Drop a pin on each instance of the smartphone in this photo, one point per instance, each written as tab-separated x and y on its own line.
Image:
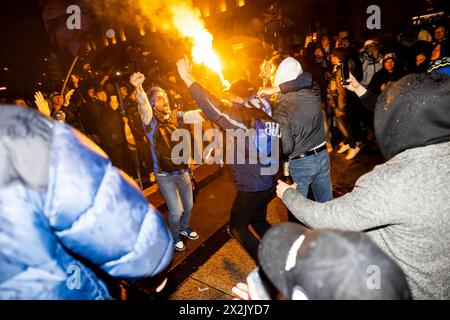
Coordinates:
345	72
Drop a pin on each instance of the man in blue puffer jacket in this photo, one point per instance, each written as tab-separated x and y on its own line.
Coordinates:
60	199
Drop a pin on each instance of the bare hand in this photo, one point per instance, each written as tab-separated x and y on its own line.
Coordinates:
264	91
75	80
246	291
105	78
137	79
241	290
184	70
68	96
355	86
42	104
282	187
308	40
114	104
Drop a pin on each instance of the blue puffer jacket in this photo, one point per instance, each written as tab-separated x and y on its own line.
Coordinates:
60	198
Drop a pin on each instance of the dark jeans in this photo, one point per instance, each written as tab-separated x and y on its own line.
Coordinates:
314	171
250	208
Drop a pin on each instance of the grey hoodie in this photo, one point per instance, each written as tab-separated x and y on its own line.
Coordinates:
403	204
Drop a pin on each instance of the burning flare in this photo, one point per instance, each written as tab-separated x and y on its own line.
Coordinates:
188	22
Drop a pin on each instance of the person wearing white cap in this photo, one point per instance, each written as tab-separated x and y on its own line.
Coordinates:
301	121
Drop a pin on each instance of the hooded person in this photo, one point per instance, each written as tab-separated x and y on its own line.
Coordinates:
402	204
327	264
67	213
301	120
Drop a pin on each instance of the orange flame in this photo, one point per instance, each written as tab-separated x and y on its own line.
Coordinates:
188	22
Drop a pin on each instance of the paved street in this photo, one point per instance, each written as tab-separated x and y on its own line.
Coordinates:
212	265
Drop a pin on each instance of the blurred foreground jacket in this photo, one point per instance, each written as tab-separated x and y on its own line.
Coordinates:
60	198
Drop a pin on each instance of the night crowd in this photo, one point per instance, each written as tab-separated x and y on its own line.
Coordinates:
332	95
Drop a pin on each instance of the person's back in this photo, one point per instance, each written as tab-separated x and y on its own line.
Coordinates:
61	199
301	112
418	234
404	203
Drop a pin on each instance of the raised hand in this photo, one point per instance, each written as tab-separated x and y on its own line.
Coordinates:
75	80
355	86
67	97
137	79
42	104
184	70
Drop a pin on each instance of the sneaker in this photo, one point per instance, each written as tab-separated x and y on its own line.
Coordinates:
352	153
188	233
343	148
179	246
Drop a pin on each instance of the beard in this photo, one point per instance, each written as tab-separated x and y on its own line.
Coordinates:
164	110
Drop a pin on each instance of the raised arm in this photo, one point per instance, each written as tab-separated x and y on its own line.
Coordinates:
301	82
214	109
368	206
368	98
144	107
42	104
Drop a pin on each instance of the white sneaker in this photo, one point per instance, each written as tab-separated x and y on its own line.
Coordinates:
189	234
179	246
343	148
352	153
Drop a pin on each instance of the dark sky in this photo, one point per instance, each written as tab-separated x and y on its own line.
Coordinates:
24	44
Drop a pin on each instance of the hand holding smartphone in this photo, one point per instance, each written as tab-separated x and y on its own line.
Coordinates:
345	73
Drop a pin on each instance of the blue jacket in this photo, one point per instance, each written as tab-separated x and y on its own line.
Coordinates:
60	198
249	177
